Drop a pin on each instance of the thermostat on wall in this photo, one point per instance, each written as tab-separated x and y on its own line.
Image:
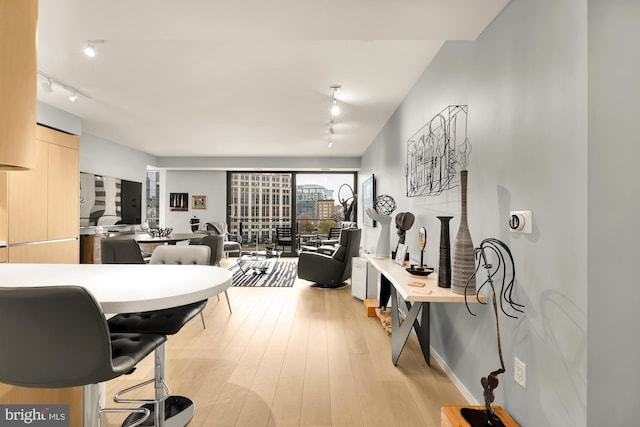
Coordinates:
521	222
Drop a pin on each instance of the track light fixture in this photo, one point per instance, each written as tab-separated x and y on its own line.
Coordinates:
335	110
90	50
47	86
49	83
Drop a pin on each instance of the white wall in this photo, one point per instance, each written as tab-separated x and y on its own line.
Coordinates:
197	183
525	82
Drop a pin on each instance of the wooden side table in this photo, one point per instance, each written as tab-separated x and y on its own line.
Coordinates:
450	416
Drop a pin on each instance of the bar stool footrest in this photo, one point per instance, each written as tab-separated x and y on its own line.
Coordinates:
178	411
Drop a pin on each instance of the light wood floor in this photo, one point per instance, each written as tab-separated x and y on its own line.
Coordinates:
297	357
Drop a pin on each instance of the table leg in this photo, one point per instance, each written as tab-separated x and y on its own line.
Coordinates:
385	291
400	333
423	332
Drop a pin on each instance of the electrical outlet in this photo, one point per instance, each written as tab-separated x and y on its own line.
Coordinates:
520	372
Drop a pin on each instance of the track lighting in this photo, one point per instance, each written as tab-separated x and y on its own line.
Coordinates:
49	84
335	110
90	50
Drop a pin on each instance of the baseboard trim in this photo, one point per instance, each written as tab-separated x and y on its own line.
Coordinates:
454	379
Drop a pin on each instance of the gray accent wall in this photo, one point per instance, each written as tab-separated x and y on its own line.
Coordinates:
613	395
525	82
57	119
103	157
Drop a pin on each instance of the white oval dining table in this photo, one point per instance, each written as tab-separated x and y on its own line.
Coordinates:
123	288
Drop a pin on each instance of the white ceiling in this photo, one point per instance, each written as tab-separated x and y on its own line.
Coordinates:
244	77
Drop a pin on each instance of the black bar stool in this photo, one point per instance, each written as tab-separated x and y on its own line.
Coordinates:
57	337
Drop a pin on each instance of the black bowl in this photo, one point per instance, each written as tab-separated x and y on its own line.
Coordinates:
417	271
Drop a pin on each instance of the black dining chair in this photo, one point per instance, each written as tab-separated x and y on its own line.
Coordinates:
284	237
57	337
120	251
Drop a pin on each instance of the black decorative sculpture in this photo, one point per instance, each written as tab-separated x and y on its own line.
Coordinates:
348	203
505	268
404	222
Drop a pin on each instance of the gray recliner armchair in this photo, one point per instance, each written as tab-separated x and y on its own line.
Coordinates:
330	271
232	242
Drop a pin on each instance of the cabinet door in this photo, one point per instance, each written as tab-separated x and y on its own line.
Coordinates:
66	252
18	82
4	224
63	208
28	200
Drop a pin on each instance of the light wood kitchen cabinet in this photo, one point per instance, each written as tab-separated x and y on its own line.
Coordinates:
51	252
28	200
63	177
3	217
44	204
18	83
18	21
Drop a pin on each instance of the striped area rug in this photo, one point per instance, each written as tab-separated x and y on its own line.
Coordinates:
283	275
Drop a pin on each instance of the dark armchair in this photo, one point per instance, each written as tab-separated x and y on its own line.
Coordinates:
330	271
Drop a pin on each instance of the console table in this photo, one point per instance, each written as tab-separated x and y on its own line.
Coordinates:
418	301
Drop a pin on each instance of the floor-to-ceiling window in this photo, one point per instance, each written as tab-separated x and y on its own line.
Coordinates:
152	216
324	200
259	202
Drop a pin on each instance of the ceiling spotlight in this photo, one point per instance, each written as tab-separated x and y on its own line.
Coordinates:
335	109
47	86
90	50
73	97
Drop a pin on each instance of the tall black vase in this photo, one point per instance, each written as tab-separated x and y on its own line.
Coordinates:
444	269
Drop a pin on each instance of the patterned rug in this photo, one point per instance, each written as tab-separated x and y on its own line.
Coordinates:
283	275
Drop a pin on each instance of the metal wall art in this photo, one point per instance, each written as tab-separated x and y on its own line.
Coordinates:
502	271
436	153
